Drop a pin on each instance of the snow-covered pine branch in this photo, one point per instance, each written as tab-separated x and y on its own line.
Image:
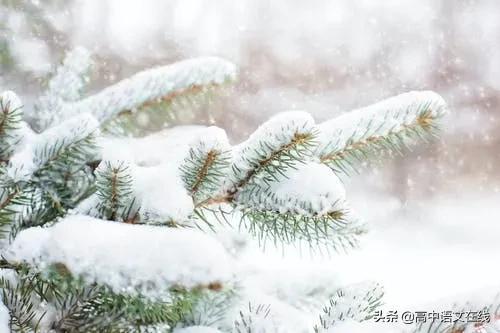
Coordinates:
357	302
65	86
282	193
206	165
68	143
308	203
143	100
277	145
253	319
11	115
389	125
137	103
45	176
23	312
481	313
114	190
127	258
63	197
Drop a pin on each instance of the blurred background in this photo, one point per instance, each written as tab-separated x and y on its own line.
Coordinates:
435	212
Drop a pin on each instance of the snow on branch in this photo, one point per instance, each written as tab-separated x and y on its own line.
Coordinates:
127	258
161	194
66	143
154	86
388	125
72	75
138	195
337	230
197	329
11	115
356	302
13	202
17	296
308	204
206	165
282	193
254	319
45	176
277	145
309	189
481	311
65	86
114	190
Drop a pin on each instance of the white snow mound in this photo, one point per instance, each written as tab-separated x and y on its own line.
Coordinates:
125	257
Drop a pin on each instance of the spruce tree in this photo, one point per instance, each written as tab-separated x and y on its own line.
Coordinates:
108	227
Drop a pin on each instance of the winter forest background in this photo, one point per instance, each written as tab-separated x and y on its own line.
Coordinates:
434	214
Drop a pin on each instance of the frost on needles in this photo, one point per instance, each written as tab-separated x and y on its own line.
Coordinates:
108	233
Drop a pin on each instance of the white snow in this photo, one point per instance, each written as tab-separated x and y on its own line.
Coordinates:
197	329
69	79
353	301
66	85
169	145
274	133
88	206
4	318
310	189
161	192
210	138
351	326
154	166
38	152
153	84
10	99
10	137
125	257
379	119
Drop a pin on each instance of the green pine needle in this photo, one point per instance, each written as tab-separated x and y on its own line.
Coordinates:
347	158
114	189
202	172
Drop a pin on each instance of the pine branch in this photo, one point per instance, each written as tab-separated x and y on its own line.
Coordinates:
268	168
98	309
253	319
11	115
15	201
66	85
357	302
18	298
114	190
205	167
279	144
87	308
210	308
151	90
264	163
65	177
5	264
37	182
482	318
331	231
179	107
70	144
388	126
